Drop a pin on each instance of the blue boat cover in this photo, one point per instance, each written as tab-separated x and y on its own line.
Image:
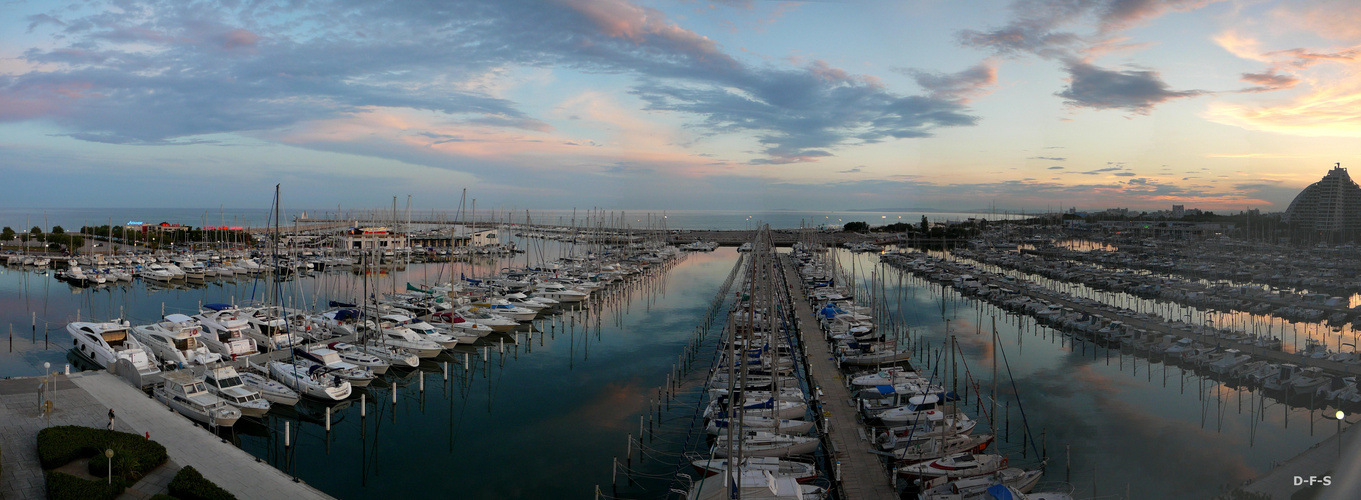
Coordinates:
340	304
885	389
217	306
346	314
1000	492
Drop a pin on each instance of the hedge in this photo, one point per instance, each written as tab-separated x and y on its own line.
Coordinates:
189	484
62	486
134	455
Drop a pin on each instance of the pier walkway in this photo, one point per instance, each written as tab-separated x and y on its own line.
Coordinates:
85	398
188	444
862	474
1322	459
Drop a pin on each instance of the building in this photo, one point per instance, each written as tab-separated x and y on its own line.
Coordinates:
1331	205
1178	211
369	238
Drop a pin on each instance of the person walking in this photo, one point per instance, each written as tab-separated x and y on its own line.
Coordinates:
110	418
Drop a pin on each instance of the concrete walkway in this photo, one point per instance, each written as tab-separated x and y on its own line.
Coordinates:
1322	459
863	475
20	421
188	444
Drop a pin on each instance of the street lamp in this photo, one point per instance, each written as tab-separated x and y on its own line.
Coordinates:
108	453
1340	417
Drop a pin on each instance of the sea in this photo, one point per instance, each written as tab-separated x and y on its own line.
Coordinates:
71	218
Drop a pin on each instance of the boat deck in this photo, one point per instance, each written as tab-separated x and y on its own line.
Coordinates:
862	474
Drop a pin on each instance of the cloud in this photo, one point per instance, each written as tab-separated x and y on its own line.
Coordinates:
1050	158
1055	167
169	70
1268	81
37	20
1136	91
1125	174
1138	181
964	85
855	170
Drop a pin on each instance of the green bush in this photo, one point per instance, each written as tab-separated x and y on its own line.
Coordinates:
188	484
134	455
62	486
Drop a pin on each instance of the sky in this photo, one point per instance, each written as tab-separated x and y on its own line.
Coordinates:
677	104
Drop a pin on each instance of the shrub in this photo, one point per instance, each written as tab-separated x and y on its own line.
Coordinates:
134	455
188	484
62	486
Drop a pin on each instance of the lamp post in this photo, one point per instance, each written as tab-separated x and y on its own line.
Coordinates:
108	453
1340	417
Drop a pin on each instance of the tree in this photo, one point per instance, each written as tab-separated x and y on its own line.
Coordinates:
7	234
856	227
926	226
58	230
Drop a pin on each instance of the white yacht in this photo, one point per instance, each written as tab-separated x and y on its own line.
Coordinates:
393	356
352	354
559	292
482	316
339	322
315	381
225	330
155	272
225	383
423	329
176	341
271	390
395	335
106	343
358	376
188	396
269	328
503	307
461	326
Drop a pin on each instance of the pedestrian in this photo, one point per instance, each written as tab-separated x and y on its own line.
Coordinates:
110	418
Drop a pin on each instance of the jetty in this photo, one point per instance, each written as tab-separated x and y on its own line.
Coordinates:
858	474
85	399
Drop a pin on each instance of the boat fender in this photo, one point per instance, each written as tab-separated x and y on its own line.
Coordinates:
1004	463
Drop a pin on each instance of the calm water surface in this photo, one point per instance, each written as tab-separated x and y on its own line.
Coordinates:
545	420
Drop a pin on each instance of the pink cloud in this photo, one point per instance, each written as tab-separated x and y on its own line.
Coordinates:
239	38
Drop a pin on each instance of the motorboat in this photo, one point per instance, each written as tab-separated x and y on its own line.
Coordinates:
917	407
392	355
224	329
188	395
352	354
269	328
423	329
460	325
1231	359
394	335
503	307
106	343
340	322
270	389
357	376
482	316
559	292
176	341
311	380
225	383
155	272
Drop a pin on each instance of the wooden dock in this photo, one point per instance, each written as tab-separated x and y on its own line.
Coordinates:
858	474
